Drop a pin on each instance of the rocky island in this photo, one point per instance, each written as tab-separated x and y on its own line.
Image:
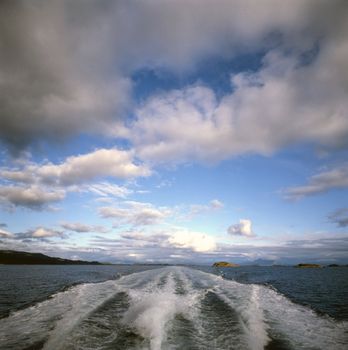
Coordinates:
308	265
224	264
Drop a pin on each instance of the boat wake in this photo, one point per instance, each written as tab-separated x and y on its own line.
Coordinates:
170	308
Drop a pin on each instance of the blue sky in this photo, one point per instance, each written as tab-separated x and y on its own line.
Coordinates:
178	131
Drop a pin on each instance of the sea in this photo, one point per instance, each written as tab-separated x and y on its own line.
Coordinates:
91	307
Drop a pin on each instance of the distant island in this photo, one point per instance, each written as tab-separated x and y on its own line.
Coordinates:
13	257
224	264
308	265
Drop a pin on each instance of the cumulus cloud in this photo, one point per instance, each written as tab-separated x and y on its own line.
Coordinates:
284	103
174	237
243	228
136	213
197	241
319	183
339	217
32	197
87	167
82	168
83	228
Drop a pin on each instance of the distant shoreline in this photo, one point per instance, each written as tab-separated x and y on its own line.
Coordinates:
12	257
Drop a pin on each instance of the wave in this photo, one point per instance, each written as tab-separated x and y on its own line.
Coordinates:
170	308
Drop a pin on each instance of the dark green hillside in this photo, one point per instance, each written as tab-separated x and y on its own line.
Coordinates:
18	258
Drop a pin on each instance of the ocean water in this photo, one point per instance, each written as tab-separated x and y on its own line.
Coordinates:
143	307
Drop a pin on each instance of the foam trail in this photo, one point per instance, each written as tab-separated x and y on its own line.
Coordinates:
85	302
246	301
265	313
242	299
301	326
92	296
151	311
37	323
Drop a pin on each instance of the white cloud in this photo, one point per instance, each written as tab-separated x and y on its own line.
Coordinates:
284	103
320	183
80	227
44	233
43	184
82	168
173	237
32	197
197	241
243	228
87	167
136	213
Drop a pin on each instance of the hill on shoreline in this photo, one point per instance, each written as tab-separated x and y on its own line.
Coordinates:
13	257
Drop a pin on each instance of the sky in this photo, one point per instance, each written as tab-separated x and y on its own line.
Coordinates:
175	131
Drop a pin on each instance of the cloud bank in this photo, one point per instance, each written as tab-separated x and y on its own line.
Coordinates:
67	70
35	186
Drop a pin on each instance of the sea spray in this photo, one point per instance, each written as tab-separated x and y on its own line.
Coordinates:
150	312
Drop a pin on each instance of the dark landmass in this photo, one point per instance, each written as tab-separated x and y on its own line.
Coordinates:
308	265
24	258
224	264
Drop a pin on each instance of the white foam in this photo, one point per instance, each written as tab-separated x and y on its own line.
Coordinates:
244	299
55	317
301	326
151	311
264	312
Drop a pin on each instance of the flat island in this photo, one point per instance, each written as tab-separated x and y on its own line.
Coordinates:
308	265
224	264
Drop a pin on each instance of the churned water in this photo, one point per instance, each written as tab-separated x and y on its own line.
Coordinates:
135	307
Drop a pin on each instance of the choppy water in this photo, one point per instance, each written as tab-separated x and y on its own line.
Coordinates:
170	308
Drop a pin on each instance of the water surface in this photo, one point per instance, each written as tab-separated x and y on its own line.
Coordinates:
163	308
